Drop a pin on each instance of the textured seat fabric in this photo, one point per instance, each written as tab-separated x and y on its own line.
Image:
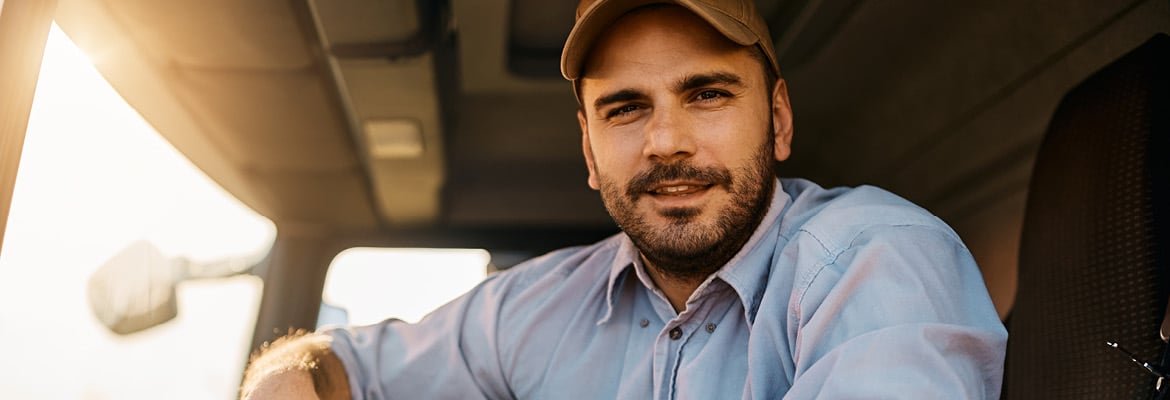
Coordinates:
1094	252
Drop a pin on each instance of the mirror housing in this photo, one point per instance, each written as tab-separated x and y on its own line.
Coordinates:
135	289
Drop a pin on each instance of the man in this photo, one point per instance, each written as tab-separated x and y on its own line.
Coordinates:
726	283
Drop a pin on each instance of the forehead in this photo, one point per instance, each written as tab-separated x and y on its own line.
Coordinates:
660	42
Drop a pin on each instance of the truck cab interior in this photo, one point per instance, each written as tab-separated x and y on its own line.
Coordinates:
447	124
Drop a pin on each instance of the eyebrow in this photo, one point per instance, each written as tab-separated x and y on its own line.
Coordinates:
714	78
618	97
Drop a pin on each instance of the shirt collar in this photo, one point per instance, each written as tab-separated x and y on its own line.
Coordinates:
747	272
623	261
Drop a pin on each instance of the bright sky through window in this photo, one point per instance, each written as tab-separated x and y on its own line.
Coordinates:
93	178
373	284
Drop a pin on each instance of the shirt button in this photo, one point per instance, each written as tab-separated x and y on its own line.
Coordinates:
710	328
644	323
675	333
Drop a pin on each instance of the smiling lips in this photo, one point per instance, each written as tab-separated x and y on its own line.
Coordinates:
678	188
678	184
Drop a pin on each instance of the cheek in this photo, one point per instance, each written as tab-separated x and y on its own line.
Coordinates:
610	167
615	153
733	141
721	133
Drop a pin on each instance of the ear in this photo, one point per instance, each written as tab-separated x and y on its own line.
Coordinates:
781	121
588	150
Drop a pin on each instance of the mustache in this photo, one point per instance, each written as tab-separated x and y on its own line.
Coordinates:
658	173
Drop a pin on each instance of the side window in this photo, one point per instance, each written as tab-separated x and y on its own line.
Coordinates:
95	178
367	285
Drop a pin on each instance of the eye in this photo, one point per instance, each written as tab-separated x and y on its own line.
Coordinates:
710	95
623	110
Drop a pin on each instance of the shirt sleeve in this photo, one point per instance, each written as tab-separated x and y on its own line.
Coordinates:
450	354
901	313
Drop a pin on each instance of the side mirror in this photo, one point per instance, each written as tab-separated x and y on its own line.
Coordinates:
135	289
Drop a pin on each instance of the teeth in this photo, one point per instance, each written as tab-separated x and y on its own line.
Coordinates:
675	189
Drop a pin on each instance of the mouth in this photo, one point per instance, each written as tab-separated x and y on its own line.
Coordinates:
675	199
678	189
678	185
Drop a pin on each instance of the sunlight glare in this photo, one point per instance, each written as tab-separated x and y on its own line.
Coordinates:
93	178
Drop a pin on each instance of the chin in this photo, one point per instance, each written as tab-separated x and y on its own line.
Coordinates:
680	215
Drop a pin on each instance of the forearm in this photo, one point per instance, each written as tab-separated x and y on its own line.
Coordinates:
298	366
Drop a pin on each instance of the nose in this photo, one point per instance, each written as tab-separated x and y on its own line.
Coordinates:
669	137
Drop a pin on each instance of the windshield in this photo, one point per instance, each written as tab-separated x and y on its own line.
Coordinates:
94	178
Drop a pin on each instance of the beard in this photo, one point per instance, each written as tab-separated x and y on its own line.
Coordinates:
685	247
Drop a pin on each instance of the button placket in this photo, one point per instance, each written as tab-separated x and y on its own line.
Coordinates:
681	332
679	338
667	356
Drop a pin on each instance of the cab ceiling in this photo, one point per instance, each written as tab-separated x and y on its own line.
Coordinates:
337	115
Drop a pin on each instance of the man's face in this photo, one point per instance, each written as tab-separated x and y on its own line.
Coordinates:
679	133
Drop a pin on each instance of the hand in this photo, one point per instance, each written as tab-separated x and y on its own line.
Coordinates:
297	366
290	384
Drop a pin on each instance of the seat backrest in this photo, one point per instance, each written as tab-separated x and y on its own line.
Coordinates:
1094	251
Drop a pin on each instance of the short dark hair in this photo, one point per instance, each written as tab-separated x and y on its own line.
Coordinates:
770	76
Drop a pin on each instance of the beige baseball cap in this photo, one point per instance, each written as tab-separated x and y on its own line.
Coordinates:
738	20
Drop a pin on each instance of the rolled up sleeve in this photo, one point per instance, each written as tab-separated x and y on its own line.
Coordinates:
450	354
901	312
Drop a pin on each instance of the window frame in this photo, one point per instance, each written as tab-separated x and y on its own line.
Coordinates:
24	30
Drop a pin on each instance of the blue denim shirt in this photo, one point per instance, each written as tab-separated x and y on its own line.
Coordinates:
839	293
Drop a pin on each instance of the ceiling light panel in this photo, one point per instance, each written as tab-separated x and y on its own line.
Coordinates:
394	138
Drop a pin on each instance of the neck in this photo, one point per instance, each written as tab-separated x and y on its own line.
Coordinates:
678	289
